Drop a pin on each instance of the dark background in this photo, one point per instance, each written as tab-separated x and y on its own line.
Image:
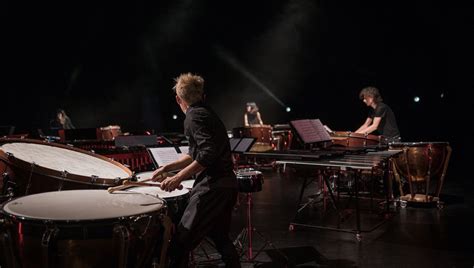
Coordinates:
114	64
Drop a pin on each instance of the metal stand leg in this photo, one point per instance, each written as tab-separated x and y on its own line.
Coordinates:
244	239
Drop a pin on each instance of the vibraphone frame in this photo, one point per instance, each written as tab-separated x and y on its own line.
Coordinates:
354	164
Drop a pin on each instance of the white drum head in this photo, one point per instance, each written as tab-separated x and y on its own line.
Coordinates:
61	159
144	175
248	173
76	205
158	192
188	184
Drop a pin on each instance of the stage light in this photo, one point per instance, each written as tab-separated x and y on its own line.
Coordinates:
416	99
442	95
288	109
175	117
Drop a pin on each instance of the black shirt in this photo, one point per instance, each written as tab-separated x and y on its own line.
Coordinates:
209	146
252	119
388	124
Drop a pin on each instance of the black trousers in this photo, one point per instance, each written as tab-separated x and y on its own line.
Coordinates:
208	213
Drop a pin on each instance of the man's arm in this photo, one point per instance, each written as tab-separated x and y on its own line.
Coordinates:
364	126
372	127
181	163
171	183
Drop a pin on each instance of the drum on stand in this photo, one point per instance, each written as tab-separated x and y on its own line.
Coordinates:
109	133
421	164
262	133
282	139
86	228
249	180
32	166
176	201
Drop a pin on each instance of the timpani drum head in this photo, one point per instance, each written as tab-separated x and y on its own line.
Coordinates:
158	192
80	205
36	166
187	184
62	159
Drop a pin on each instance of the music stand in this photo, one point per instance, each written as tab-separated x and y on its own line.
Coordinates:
241	145
310	131
163	155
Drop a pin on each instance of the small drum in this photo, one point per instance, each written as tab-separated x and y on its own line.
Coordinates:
282	139
109	133
83	228
33	166
249	180
419	164
351	139
263	135
176	201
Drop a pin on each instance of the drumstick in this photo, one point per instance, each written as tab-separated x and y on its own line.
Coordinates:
123	186
126	184
143	183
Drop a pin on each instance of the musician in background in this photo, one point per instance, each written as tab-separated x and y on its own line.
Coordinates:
209	162
381	118
252	115
62	121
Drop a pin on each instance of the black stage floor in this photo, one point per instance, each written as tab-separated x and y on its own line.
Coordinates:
411	236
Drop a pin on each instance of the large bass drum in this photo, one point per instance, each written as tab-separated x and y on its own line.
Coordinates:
262	133
33	166
83	228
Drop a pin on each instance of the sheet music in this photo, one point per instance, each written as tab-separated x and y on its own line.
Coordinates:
311	130
328	129
164	155
184	150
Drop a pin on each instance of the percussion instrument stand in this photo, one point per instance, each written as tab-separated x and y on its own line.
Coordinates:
245	237
194	262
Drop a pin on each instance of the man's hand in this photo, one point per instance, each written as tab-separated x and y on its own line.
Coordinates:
159	174
171	183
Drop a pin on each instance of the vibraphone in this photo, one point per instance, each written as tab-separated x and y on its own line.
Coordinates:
335	163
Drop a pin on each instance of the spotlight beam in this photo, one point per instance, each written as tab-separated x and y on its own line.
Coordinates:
224	55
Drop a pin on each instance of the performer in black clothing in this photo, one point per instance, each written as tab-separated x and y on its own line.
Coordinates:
381	118
209	162
252	115
62	121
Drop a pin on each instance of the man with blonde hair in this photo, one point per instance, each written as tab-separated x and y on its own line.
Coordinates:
209	162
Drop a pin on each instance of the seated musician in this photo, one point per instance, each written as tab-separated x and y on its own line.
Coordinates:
381	118
252	115
209	162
